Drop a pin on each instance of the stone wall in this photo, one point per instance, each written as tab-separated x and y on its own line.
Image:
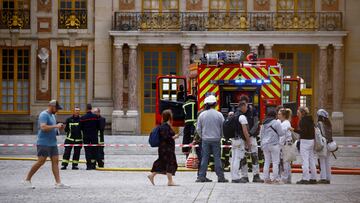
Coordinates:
352	71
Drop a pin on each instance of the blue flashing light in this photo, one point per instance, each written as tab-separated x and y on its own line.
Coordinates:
237	81
253	81
259	81
242	81
267	81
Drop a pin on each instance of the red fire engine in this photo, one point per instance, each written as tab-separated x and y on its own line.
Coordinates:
260	79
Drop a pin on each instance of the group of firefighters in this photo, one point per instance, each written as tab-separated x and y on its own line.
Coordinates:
252	155
86	129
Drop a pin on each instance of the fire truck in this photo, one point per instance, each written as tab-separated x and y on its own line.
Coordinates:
227	76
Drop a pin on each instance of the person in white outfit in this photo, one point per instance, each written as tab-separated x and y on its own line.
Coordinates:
326	130
270	133
284	116
239	145
306	131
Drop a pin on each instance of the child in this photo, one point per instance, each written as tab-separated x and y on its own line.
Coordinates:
285	116
270	134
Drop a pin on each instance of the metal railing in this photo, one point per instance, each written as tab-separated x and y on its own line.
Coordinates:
237	21
15	19
72	19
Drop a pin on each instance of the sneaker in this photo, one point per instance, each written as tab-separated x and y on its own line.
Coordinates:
277	182
28	184
63	168
235	181
223	180
268	181
257	179
286	181
75	168
313	181
61	186
323	181
303	182
244	180
203	180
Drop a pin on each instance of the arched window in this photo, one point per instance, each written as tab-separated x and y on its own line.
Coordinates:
227	5
160	5
295	5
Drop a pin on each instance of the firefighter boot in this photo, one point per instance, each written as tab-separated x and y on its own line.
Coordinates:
63	168
257	179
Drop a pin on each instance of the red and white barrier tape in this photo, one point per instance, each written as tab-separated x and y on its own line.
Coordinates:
132	145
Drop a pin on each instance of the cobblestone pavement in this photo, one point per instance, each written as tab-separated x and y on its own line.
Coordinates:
101	186
98	186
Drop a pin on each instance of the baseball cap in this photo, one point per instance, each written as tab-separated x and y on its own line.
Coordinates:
56	104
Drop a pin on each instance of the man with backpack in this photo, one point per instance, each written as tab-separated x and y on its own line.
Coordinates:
209	127
235	128
253	126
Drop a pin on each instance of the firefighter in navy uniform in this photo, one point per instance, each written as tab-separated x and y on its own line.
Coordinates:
90	126
73	136
190	110
100	151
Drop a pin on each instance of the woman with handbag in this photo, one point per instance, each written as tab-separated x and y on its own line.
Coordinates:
166	164
284	116
326	131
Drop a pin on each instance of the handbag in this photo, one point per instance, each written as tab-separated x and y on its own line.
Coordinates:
289	152
192	161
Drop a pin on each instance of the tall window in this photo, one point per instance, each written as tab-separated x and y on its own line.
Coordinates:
72	88
15	4
72	14
160	5
296	5
73	4
14	68
227	5
299	64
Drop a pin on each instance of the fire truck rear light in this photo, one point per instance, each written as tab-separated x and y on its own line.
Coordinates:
267	81
259	81
253	81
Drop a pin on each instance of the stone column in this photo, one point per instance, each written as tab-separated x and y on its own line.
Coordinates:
323	75
133	80
268	50
118	89
254	48
118	78
338	90
131	120
185	58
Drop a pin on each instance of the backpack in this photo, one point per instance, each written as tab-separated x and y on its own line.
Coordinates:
319	141
231	126
154	138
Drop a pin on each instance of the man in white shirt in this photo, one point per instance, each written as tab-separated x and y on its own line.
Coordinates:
239	145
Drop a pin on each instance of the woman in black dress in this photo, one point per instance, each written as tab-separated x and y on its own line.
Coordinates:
166	163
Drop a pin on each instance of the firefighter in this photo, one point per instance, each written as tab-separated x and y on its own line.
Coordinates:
73	136
252	153
100	150
190	110
225	154
90	126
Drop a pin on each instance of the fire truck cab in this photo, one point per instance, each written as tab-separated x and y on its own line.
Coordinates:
260	79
